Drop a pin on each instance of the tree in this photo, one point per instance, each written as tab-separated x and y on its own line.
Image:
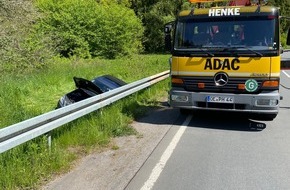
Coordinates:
154	14
284	11
284	6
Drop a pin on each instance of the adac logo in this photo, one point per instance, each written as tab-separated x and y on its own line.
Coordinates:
218	64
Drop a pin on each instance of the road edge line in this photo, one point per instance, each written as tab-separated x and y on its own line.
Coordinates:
165	156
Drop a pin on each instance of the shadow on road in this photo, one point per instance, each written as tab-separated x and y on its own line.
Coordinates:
225	121
164	115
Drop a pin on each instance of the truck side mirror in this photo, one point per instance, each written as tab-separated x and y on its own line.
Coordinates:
288	37
168	45
167	28
285	57
167	31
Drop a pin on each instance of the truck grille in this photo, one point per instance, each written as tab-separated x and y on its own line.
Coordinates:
191	84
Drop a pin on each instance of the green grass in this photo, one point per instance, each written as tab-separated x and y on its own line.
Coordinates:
30	94
35	93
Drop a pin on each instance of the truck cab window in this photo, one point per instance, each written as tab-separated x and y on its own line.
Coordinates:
257	34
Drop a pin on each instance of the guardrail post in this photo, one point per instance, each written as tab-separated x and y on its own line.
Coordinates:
49	141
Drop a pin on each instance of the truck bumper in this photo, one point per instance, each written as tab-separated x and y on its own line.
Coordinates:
263	103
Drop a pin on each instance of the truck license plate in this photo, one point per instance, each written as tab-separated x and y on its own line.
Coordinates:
220	99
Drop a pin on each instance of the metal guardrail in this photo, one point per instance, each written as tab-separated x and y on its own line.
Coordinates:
24	131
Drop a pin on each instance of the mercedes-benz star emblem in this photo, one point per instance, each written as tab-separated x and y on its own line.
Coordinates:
221	79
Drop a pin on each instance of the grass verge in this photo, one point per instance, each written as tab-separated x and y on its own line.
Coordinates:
27	95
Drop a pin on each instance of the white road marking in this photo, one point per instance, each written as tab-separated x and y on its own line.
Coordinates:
286	74
165	156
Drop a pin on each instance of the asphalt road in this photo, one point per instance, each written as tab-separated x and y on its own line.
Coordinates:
222	151
286	55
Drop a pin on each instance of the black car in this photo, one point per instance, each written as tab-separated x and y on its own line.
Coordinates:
86	89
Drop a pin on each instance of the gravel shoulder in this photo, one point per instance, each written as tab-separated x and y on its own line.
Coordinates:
113	169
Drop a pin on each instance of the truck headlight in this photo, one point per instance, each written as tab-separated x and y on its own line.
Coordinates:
267	102
179	98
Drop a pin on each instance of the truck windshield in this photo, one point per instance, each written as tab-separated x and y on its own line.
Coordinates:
251	34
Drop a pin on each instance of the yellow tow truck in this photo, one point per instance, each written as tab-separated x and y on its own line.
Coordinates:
226	58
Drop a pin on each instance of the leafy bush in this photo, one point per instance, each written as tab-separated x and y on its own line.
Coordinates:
89	29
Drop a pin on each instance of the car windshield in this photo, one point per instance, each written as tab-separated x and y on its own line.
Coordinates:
240	34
